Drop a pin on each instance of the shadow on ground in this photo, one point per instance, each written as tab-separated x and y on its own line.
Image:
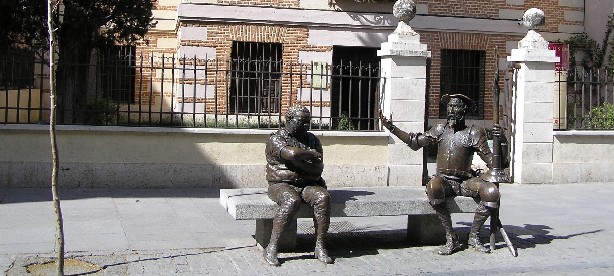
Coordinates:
529	235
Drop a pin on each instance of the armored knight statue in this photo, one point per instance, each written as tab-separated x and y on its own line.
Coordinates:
294	172
457	142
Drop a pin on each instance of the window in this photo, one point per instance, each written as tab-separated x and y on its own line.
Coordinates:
255	77
117	72
463	72
16	68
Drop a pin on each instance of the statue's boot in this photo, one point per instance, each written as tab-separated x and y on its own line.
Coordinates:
270	255
321	221
321	254
452	245
481	214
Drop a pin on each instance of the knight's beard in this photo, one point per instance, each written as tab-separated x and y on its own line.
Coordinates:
455	120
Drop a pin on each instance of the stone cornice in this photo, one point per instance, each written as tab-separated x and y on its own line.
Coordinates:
339	19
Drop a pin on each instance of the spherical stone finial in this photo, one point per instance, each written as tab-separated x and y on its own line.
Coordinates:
404	10
533	19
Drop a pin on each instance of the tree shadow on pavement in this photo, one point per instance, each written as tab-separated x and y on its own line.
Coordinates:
104	268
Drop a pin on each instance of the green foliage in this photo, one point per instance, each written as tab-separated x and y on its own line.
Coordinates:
24	22
345	123
602	117
85	22
594	53
589	47
83	26
101	111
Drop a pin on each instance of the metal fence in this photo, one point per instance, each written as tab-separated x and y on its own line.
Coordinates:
584	99
159	90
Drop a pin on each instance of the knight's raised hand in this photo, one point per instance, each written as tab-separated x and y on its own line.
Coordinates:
387	123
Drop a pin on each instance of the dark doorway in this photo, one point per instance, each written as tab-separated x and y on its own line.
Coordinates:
355	82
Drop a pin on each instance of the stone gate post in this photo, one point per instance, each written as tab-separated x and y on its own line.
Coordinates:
404	71
532	139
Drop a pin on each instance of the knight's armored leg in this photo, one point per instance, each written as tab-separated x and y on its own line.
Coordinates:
481	214
319	198
289	202
452	245
435	190
489	195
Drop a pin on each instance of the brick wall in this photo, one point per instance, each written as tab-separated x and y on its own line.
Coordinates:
555	14
495	9
437	41
221	36
268	3
156	44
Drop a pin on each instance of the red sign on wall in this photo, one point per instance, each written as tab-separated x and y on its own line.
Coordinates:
561	51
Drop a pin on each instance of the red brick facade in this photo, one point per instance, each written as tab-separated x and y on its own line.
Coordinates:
221	36
490	9
437	41
266	3
295	38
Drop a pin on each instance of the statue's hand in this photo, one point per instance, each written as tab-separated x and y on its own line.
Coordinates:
387	123
499	132
311	156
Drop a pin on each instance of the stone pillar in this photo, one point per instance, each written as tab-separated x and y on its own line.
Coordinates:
533	136
404	70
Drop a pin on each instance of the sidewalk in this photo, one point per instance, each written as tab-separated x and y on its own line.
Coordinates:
559	230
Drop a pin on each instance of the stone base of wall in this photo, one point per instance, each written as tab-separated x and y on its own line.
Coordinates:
583	156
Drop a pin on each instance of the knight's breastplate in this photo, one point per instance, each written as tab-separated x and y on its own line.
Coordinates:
455	153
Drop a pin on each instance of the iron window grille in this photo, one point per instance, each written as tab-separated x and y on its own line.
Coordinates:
463	72
117	73
16	68
256	69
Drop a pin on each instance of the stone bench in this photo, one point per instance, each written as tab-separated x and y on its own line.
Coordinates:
423	226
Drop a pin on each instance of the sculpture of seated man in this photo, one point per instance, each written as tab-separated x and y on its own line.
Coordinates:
294	168
457	142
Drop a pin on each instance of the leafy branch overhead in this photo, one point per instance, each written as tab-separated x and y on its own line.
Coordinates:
93	23
81	27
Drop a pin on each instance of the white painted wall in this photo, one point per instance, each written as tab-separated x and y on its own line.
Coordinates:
596	16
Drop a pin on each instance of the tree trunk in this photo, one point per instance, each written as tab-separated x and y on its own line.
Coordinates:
54	147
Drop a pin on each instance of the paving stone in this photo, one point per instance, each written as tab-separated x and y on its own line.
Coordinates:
558	230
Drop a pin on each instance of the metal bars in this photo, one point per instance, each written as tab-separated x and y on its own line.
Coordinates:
463	72
589	99
170	91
